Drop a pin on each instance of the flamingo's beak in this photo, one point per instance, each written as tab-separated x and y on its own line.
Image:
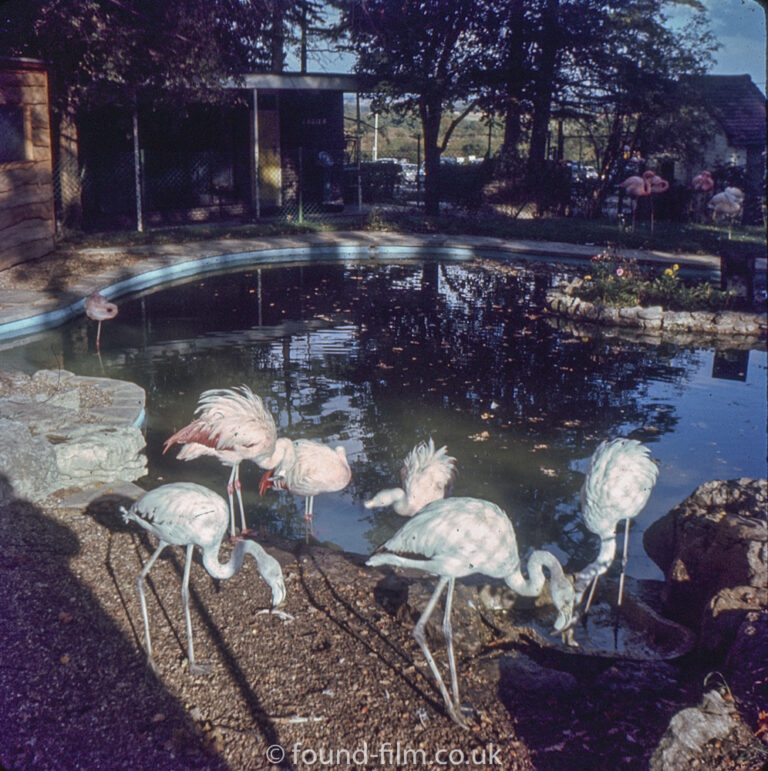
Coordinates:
265	483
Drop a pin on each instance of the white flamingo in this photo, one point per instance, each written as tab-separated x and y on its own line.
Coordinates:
98	308
188	514
233	425
728	204
306	468
456	537
619	480
426	476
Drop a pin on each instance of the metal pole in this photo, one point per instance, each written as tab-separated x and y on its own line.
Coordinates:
301	185
359	156
375	137
137	170
255	176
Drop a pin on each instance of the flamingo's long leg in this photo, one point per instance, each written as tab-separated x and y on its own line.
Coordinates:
98	337
238	490
624	560
144	614
194	668
448	634
418	633
230	495
591	595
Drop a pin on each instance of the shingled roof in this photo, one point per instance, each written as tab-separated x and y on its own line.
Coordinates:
739	106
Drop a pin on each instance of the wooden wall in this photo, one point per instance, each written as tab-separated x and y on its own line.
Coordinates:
27	220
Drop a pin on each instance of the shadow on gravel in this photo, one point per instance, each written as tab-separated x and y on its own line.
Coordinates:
74	692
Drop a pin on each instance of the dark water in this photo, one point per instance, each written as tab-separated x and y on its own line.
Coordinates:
379	357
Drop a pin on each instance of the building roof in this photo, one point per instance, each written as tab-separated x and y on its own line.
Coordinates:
739	106
293	81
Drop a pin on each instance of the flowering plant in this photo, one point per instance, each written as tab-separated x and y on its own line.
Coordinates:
618	281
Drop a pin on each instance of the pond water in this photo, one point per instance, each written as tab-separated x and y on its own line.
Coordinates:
377	357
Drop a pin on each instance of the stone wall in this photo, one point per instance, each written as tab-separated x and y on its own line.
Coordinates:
27	222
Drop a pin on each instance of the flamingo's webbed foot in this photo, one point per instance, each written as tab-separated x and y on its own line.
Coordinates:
276	612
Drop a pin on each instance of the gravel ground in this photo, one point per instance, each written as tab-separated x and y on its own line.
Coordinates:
344	681
344	676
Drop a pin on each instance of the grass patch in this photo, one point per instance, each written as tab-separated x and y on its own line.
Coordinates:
673	238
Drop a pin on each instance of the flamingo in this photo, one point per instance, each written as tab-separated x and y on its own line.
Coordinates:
457	537
233	425
98	308
307	468
619	480
188	514
426	475
728	202
644	186
703	183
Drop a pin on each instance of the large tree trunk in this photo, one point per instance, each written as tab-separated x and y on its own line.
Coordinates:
431	113
515	81
543	86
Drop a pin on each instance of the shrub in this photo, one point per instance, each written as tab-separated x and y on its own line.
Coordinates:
621	282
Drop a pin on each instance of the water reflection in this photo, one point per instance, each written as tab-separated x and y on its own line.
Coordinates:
378	357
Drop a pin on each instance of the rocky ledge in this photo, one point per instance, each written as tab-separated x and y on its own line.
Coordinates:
59	430
562	301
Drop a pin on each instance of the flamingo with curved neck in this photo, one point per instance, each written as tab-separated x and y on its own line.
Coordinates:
188	514
457	537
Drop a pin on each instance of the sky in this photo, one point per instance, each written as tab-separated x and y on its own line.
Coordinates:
739	25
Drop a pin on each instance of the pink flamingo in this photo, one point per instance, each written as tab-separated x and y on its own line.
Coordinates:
703	183
306	468
233	425
727	203
640	187
426	474
98	308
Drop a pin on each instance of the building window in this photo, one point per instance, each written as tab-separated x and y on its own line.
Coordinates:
13	146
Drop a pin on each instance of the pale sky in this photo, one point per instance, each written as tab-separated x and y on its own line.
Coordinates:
739	25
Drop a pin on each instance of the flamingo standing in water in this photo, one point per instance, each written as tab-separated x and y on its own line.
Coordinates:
457	537
188	514
233	425
426	476
619	480
98	308
306	468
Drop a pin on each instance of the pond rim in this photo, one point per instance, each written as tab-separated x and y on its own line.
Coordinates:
172	267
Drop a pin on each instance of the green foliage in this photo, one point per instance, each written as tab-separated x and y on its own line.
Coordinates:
619	282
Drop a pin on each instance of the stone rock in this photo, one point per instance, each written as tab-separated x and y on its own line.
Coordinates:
725	614
67	431
690	729
746	666
88	455
716	538
652	313
27	462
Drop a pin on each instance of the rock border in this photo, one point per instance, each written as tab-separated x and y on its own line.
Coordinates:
561	301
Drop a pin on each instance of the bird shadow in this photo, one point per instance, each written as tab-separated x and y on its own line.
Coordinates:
106	511
73	690
391	656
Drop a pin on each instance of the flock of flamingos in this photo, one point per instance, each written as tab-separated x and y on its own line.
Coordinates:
449	537
727	203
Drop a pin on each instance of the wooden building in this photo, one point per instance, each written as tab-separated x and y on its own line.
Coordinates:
27	220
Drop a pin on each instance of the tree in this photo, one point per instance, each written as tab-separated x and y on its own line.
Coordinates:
103	51
419	56
634	89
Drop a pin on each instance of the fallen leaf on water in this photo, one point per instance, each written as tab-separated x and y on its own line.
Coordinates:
65	618
64	659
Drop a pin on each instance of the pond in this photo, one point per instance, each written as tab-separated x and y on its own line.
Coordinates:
378	356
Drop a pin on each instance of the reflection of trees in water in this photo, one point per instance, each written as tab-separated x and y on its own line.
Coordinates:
392	354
